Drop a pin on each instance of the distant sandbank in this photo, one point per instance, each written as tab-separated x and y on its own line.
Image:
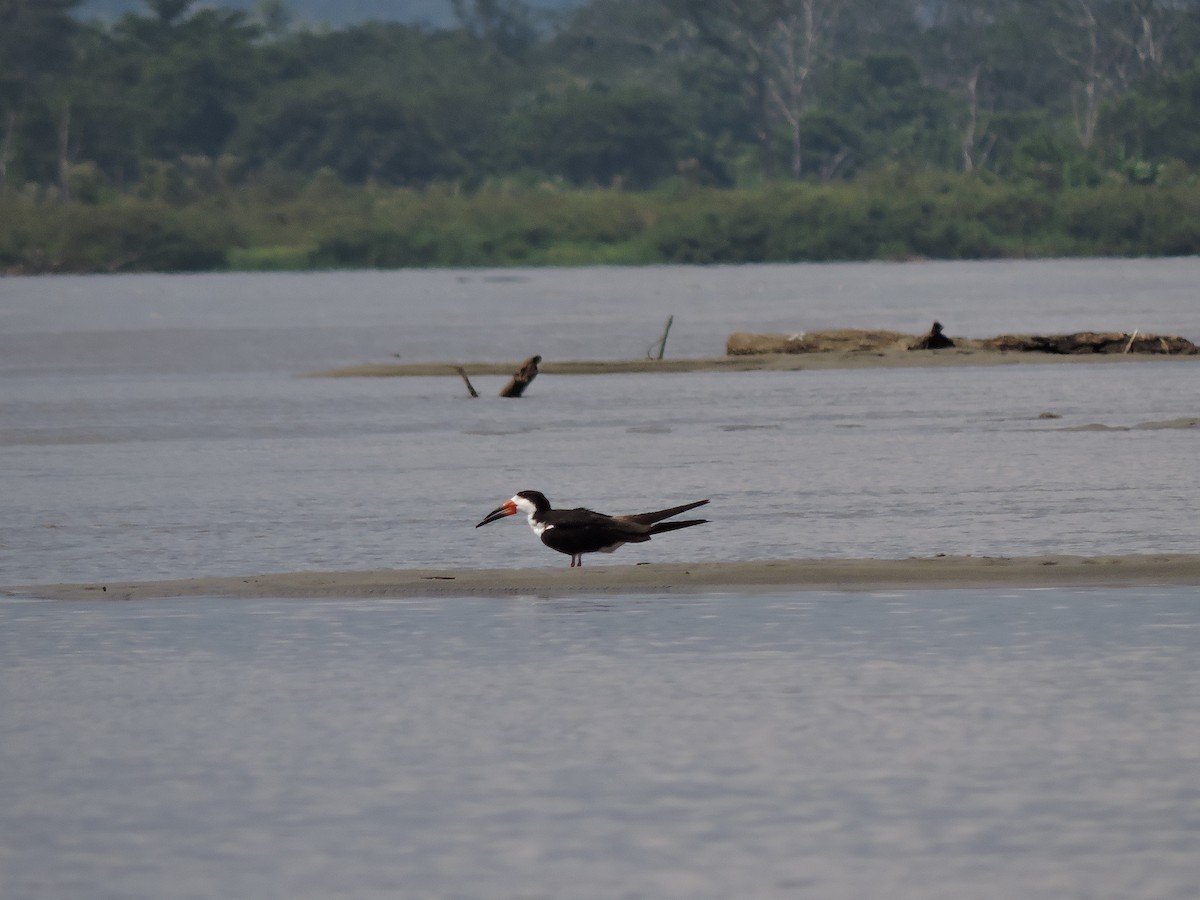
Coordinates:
935	572
765	362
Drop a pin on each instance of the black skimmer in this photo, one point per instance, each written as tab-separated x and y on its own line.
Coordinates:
579	531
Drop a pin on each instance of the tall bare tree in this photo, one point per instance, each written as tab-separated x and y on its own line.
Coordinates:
35	45
778	44
790	53
1107	46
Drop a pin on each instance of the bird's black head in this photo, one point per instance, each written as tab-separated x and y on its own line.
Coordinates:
537	498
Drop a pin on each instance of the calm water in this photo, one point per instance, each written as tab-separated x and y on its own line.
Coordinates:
948	744
982	744
156	426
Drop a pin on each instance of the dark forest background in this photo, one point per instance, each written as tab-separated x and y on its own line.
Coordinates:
318	13
190	135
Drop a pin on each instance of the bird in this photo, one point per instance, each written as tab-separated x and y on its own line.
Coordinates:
579	531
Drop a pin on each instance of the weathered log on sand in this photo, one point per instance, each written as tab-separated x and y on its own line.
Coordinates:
1092	342
521	378
742	343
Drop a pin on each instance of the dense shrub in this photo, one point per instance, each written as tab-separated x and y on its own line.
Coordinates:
891	215
128	236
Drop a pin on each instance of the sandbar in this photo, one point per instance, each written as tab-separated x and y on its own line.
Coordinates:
792	575
762	362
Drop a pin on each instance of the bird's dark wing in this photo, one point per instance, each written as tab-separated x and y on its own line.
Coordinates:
585	531
650	518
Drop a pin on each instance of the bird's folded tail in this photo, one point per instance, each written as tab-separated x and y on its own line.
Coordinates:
660	527
651	517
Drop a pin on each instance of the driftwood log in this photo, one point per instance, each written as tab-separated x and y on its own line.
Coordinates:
521	378
741	343
1092	342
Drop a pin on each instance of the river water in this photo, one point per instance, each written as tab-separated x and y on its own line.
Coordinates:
910	744
156	426
926	745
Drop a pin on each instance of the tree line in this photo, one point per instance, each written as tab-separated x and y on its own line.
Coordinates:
184	103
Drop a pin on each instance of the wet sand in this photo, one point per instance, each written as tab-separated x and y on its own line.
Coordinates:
683	578
763	362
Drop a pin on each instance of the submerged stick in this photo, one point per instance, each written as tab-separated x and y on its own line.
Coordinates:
463	372
662	342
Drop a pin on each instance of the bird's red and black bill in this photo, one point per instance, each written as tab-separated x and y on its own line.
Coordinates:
508	508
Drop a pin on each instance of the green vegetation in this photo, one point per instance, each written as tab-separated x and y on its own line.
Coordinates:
631	131
883	216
